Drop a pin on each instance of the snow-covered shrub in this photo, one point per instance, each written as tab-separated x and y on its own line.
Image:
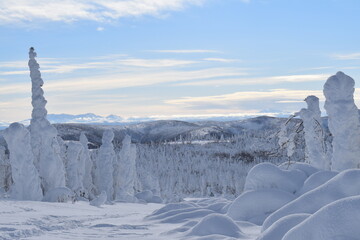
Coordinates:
344	123
148	197
61	194
45	146
26	180
5	170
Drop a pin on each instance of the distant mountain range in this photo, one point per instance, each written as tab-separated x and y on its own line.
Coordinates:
90	118
170	130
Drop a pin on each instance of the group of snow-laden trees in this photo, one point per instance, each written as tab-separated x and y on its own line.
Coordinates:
41	166
343	123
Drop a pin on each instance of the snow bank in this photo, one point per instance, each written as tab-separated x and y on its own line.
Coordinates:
216	224
344	123
26	180
266	176
338	220
171	207
341	186
282	226
255	206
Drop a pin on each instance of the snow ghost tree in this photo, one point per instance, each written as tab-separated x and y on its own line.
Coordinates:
125	171
5	170
344	121
105	160
74	167
43	135
314	137
26	181
85	157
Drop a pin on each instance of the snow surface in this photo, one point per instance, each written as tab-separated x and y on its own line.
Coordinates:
58	221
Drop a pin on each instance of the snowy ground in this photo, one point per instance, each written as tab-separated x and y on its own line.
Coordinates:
50	221
42	220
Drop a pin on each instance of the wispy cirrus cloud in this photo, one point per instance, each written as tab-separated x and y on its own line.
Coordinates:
226	99
185	51
349	56
124	79
222	60
288	100
20	11
106	62
258	80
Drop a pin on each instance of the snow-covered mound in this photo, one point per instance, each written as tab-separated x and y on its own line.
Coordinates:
216	224
282	226
255	206
316	180
266	175
337	220
340	186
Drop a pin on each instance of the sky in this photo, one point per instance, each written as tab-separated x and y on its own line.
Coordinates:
171	58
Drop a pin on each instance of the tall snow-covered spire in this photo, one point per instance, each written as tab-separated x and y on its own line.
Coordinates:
344	121
43	135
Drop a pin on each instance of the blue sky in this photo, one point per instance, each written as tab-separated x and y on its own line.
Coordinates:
171	58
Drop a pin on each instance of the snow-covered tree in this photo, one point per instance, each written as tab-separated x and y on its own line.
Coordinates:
314	135
344	121
43	135
105	160
26	180
85	157
125	171
5	170
75	167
